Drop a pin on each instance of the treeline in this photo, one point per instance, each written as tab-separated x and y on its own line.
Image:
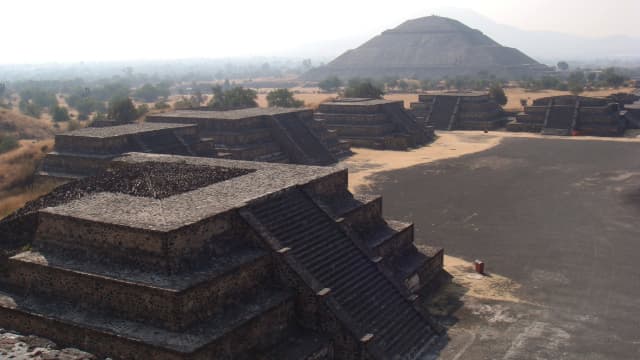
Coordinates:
579	80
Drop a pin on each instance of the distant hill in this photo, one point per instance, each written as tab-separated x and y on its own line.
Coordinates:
549	46
432	47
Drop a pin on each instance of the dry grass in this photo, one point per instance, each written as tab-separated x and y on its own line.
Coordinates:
24	127
17	169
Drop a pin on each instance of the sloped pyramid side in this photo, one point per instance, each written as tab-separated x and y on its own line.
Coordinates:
429	47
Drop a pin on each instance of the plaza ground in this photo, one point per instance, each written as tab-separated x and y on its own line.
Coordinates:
554	219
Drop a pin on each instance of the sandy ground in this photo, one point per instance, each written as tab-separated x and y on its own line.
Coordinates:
367	162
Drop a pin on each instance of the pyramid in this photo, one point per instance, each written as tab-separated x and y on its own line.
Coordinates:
429	47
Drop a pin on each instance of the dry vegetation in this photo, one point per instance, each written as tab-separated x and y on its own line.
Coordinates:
24	127
17	169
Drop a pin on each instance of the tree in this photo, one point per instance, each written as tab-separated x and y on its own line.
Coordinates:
161	105
610	77
363	88
142	110
39	97
563	65
149	92
306	64
30	109
283	98
576	82
330	84
99	116
8	143
3	88
496	92
122	110
234	98
60	113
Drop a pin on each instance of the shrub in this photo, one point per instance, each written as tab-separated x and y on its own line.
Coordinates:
8	143
122	110
73	125
60	113
363	88
283	98
234	98
331	83
497	94
161	105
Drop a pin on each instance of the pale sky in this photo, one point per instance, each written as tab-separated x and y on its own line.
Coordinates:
36	31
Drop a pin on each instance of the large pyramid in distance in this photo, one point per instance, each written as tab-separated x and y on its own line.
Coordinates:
429	47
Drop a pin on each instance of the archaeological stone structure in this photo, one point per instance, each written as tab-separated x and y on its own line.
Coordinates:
263	134
172	257
632	115
430	47
373	123
571	115
86	151
459	111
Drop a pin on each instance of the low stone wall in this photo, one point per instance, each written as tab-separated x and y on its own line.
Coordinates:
378	130
75	164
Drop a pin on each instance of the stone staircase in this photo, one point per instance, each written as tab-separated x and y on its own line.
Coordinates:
441	111
312	148
374	309
408	124
559	121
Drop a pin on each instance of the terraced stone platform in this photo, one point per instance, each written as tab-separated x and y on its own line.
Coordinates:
264	261
459	111
86	151
373	123
571	115
264	134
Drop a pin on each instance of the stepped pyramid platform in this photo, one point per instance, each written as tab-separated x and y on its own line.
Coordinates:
473	110
373	123
571	115
430	47
631	113
281	135
86	151
173	257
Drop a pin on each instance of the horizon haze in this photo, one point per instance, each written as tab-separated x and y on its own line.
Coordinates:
74	31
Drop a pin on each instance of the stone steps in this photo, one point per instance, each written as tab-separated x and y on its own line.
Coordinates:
314	150
390	238
259	323
351	130
249	151
356	284
441	112
171	301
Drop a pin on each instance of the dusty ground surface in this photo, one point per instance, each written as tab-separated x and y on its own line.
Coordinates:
555	220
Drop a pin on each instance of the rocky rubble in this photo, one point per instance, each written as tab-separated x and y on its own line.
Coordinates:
19	347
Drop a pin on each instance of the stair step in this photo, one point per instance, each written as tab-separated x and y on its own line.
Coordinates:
172	301
269	314
358	286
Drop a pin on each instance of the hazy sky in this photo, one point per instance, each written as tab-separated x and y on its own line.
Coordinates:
36	31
